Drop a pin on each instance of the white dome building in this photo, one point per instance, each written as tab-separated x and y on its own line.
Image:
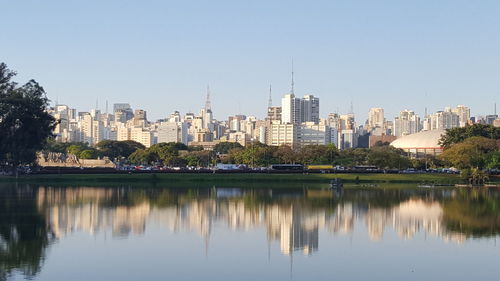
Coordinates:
421	143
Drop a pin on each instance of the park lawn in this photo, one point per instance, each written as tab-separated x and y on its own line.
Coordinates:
236	178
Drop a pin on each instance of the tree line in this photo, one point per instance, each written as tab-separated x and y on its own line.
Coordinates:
472	149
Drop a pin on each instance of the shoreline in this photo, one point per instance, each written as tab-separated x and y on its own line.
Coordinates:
234	178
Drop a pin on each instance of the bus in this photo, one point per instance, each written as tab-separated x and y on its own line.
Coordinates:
287	167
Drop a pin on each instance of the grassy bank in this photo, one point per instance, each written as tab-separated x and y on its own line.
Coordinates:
235	178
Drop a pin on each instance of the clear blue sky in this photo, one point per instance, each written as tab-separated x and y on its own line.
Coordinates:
160	55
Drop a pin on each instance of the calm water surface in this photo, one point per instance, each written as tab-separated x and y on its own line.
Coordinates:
248	233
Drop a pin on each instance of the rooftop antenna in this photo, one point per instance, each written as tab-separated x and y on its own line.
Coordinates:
96	103
208	105
495	105
293	82
351	109
270	102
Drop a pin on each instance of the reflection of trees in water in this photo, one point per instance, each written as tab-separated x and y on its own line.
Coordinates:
474	213
291	215
23	234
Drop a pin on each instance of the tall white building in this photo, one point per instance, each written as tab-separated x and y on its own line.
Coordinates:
376	118
446	119
406	123
295	110
141	135
463	113
173	132
290	110
284	134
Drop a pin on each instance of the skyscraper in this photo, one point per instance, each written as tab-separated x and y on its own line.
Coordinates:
290	109
295	110
463	113
310	109
375	118
406	123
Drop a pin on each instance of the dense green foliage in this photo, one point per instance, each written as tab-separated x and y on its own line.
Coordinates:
224	147
384	156
472	149
24	122
166	154
23	233
118	149
458	135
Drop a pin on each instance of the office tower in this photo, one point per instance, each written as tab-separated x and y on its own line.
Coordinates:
173	132
309	109
310	133
348	138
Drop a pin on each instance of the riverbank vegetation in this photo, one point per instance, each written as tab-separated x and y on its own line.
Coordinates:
25	123
474	150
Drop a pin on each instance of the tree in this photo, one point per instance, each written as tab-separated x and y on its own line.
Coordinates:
463	156
166	152
23	231
87	154
458	135
493	160
197	158
118	149
141	156
224	147
60	147
318	154
24	121
352	157
284	154
387	157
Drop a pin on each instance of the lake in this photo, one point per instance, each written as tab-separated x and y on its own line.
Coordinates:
257	232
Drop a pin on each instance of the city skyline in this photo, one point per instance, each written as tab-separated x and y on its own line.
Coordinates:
360	52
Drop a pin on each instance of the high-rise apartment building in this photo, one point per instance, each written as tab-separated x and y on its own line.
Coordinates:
141	135
290	110
446	119
310	109
406	123
295	110
274	113
140	118
375	118
173	132
284	134
463	113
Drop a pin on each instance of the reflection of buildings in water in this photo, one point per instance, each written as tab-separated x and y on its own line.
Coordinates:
343	219
409	218
294	226
80	209
415	214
